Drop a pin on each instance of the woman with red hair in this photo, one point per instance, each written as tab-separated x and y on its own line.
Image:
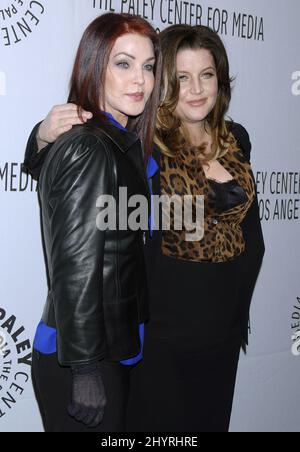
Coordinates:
91	330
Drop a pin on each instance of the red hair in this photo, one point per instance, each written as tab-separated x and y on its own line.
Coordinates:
87	84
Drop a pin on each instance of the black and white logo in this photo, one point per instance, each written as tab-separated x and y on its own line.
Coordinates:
295	324
279	195
19	19
296	83
15	361
14	180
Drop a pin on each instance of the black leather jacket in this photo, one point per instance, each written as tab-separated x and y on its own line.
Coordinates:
97	281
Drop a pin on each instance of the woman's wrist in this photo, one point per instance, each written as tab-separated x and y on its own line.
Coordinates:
41	143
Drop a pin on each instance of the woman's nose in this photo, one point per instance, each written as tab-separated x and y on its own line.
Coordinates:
139	76
197	86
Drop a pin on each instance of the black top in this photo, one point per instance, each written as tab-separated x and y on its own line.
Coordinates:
205	302
197	301
226	195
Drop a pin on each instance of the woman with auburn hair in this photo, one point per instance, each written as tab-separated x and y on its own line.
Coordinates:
200	291
92	327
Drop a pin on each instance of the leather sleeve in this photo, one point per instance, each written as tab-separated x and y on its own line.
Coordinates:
77	248
34	160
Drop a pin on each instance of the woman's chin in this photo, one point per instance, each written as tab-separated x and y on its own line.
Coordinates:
134	111
195	118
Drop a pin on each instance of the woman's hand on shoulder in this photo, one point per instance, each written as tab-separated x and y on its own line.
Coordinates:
59	120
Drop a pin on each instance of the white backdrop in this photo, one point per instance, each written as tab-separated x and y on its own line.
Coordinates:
38	40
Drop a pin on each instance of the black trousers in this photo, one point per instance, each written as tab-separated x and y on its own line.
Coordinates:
179	387
53	385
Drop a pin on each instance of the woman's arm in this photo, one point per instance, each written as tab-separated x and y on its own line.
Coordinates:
254	243
77	246
59	120
251	262
34	158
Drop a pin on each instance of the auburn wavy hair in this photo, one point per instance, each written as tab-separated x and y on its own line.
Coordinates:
171	136
87	85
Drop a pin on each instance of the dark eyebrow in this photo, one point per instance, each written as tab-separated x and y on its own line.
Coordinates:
132	57
206	69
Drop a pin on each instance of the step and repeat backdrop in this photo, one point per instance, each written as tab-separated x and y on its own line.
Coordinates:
38	41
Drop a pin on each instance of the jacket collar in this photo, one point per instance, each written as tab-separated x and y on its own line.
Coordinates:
121	137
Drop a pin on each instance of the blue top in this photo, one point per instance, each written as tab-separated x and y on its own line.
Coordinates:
45	340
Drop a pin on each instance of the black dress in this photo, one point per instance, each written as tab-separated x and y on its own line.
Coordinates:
192	344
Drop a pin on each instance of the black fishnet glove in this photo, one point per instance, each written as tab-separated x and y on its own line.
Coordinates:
88	395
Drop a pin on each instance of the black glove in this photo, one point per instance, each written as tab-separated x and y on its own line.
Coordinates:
88	395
